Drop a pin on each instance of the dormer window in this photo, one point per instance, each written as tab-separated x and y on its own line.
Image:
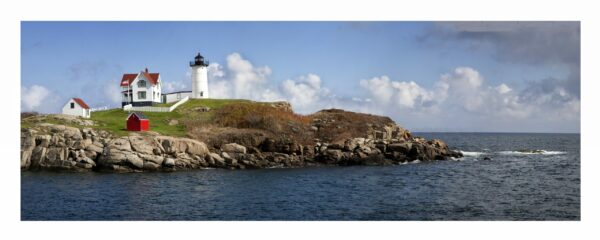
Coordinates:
141	83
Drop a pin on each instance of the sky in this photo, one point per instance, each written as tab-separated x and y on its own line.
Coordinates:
426	76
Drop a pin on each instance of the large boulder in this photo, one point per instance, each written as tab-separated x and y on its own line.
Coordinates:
169	162
56	153
72	133
215	160
121	144
438	144
399	147
233	148
27	146
82	143
95	147
332	155
351	144
173	146
152	158
194	147
143	144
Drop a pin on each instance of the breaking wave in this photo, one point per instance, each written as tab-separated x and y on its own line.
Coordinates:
531	152
472	154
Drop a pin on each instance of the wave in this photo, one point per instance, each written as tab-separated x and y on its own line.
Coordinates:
532	152
471	154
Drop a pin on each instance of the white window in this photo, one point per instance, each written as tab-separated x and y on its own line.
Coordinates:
142	94
141	83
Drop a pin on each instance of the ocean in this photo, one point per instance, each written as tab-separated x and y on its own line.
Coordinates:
512	185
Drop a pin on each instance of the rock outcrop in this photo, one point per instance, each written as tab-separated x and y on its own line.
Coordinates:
57	147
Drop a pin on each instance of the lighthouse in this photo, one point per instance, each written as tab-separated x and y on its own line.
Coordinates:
199	77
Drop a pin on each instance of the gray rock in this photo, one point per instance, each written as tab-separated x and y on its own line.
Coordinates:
142	144
56	153
43	140
233	148
121	144
135	161
333	155
150	166
82	143
95	148
38	156
86	160
218	160
26	158
351	144
169	162
399	147
152	158
84	165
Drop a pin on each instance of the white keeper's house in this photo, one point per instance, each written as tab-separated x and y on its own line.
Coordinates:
141	89
76	107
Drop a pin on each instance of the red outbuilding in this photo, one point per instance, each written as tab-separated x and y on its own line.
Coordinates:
137	122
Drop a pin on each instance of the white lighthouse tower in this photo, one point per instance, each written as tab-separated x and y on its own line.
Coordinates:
199	77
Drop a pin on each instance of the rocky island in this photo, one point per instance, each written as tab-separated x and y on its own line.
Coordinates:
230	134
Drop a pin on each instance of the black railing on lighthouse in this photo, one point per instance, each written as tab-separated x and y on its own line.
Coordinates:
203	63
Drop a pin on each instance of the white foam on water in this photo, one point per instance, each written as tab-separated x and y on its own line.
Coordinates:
535	152
416	161
471	154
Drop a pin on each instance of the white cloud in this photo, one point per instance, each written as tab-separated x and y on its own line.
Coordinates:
240	79
172	86
305	93
40	99
503	88
112	92
402	94
32	97
463	93
215	70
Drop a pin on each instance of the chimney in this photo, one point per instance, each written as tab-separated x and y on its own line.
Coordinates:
146	69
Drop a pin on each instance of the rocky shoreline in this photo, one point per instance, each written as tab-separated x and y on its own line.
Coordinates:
63	148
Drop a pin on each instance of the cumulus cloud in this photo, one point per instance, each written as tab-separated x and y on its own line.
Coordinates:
305	93
33	96
240	79
404	94
463	93
39	98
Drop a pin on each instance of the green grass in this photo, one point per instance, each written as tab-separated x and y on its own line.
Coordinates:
164	104
114	120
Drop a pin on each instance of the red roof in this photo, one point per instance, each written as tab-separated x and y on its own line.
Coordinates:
81	103
129	77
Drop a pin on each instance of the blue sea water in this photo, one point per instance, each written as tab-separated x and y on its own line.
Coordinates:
510	186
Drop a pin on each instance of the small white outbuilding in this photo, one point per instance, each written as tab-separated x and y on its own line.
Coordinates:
76	107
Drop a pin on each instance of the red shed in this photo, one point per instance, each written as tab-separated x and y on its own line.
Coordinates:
137	122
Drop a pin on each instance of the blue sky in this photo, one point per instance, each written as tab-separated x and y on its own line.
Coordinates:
427	76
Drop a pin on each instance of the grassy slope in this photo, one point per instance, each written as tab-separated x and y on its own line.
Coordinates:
113	120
